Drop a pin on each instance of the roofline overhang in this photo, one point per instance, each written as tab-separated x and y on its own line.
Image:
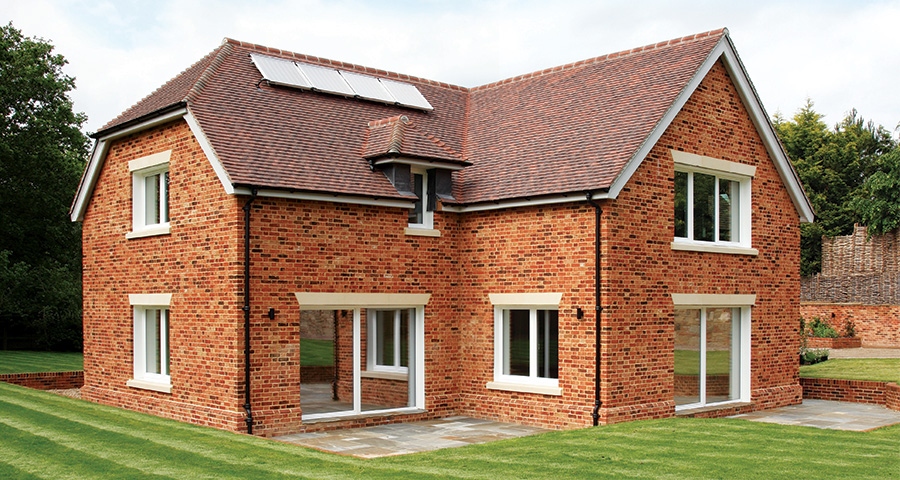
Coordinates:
101	147
416	161
570	197
274	192
725	50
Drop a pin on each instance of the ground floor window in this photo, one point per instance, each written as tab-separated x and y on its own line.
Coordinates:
374	362
712	355
151	342
526	342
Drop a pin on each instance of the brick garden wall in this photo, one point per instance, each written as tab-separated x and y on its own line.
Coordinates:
45	380
876	325
856	391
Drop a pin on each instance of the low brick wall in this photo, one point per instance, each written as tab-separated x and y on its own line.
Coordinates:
856	391
46	380
836	343
876	325
316	374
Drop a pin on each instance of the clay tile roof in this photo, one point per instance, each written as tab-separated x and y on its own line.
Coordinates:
400	136
565	129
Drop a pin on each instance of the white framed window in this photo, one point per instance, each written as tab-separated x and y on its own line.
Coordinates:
526	343
388	340
712	349
151	342
420	216
150	195
712	204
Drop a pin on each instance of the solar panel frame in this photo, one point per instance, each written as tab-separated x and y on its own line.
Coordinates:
406	94
326	79
279	71
368	87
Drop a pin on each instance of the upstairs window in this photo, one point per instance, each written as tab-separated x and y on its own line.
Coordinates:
712	204
150	195
420	216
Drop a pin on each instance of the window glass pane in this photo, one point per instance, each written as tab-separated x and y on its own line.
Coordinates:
417	215
719	355
151	199
152	340
704	207
405	316
729	200
548	343
687	356
384	335
516	348
681	205
165	198
165	352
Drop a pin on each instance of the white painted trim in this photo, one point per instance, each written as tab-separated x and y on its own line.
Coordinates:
98	157
714	164
327	197
547	299
150	299
209	151
384	375
421	232
523	388
151	231
346	301
145	385
420	163
504	204
150	161
712	300
688	246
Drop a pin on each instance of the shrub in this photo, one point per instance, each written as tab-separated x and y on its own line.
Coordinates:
818	328
849	329
813	356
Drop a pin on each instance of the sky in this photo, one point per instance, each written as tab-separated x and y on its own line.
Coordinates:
840	54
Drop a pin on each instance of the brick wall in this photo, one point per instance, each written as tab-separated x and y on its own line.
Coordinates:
878	326
856	391
45	380
199	263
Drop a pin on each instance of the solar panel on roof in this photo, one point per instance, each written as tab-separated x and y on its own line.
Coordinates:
406	94
279	71
326	79
368	87
314	77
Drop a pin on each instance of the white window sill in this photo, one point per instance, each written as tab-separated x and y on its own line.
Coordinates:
145	385
149	231
524	388
385	375
422	232
713	248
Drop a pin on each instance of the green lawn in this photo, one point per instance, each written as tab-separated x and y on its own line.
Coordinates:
13	361
50	436
316	352
878	369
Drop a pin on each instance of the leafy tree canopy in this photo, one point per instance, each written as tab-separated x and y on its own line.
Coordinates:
42	155
846	171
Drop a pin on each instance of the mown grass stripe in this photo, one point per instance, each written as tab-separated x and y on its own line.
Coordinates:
10	472
47	459
13	361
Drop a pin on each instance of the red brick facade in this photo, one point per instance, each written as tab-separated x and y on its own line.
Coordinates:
316	246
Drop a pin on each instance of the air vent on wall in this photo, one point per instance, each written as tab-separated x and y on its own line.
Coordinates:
339	82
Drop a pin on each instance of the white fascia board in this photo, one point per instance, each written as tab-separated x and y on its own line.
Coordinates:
98	157
446	165
325	197
725	49
503	204
209	151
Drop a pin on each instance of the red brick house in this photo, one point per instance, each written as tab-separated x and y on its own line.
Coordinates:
459	243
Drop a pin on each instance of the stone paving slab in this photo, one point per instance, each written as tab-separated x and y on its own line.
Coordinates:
827	414
864	353
412	437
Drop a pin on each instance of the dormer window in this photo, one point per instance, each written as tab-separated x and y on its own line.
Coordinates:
420	216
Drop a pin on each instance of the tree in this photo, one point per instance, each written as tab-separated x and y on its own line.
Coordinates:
878	203
833	164
42	155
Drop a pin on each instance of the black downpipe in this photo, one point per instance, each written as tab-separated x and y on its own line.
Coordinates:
595	415
246	309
